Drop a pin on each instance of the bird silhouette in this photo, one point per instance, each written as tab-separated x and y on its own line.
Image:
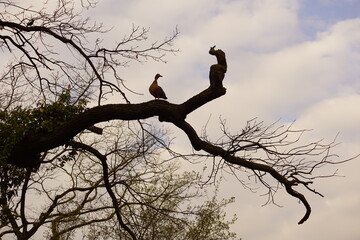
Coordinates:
156	90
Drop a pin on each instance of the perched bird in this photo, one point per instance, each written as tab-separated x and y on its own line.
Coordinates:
30	23
156	90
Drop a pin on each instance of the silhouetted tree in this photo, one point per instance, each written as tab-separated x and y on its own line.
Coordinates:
155	201
56	67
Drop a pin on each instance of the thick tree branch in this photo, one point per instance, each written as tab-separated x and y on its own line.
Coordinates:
199	144
26	152
35	143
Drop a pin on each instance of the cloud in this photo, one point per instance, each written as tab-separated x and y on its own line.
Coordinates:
256	25
314	81
275	71
336	115
285	82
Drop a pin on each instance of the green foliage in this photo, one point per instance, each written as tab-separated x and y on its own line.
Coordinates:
46	118
210	222
17	122
171	207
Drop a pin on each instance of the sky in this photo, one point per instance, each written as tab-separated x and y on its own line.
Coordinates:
288	60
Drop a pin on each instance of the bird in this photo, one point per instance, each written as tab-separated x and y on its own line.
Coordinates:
30	23
156	90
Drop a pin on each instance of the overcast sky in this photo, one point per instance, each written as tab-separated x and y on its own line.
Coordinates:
288	60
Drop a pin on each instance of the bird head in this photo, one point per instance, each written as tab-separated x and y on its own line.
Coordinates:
157	76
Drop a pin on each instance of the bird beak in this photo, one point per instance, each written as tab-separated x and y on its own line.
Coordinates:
160	75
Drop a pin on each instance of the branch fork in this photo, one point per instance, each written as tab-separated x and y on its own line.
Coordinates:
26	154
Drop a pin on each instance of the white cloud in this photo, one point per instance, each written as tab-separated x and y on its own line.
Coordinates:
287	81
315	81
257	25
273	73
335	115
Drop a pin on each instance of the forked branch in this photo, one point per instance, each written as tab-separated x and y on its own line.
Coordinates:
26	153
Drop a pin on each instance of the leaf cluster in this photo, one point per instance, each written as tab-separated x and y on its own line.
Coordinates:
18	122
